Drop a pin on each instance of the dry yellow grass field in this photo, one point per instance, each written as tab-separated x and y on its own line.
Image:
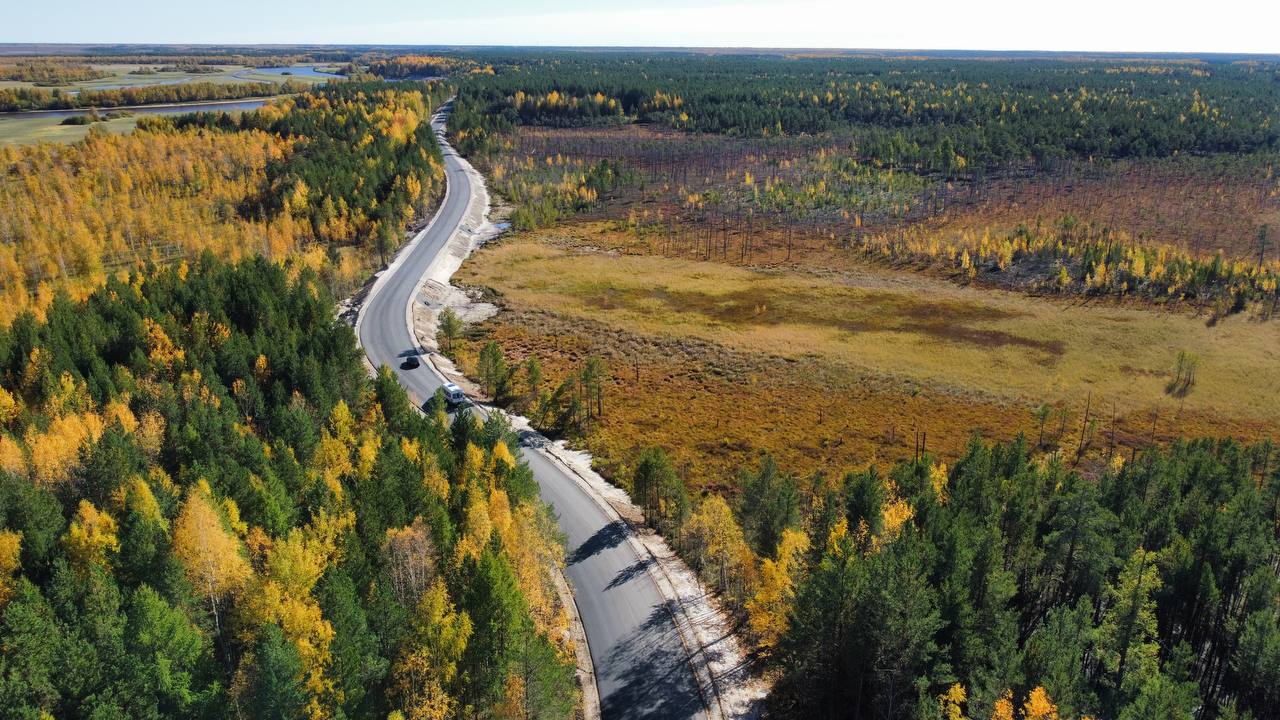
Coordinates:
856	358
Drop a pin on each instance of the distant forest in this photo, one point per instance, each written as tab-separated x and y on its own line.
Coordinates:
942	115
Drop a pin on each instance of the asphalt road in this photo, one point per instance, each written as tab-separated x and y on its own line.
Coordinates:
640	663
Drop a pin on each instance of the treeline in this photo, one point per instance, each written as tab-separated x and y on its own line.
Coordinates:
43	72
335	173
162	55
15	99
415	66
195	69
544	192
1073	256
939	115
208	510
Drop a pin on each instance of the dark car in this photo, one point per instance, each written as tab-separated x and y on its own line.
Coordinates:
411	362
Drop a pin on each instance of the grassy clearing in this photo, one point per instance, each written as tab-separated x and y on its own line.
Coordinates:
33	129
857	358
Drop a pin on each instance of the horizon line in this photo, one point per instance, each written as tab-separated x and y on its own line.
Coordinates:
641	48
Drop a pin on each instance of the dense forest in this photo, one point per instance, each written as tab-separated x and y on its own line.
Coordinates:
366	163
345	166
944	115
209	511
415	66
1150	591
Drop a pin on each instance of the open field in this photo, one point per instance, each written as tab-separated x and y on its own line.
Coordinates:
720	361
27	128
124	76
37	128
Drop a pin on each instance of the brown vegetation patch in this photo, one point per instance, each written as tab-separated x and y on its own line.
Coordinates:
876	311
717	409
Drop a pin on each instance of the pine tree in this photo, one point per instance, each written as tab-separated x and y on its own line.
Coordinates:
1127	636
770	504
659	491
450	328
275	691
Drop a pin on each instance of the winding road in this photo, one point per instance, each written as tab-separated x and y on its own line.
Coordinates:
642	668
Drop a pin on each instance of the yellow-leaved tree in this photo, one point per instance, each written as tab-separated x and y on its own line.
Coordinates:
477	526
10	561
56	451
210	552
10	407
1039	707
91	538
140	499
718	547
952	702
428	662
12	457
475	468
1003	709
767	609
282	594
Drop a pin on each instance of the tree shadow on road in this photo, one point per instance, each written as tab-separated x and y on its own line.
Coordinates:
629	573
649	674
606	537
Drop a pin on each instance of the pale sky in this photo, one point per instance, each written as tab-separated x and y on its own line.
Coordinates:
1234	26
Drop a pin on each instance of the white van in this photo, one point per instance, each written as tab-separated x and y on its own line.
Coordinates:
453	394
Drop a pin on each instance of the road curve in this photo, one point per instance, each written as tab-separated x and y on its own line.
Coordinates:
642	668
